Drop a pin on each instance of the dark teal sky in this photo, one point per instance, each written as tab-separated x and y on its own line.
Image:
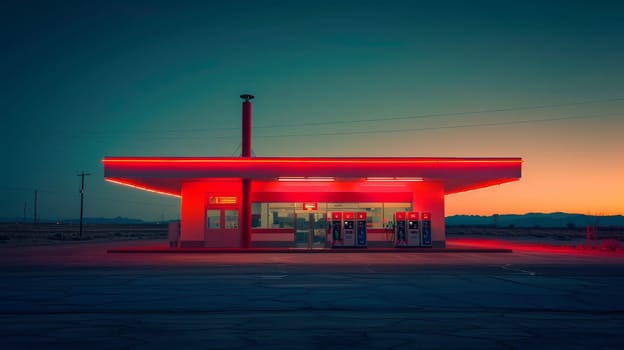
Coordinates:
81	80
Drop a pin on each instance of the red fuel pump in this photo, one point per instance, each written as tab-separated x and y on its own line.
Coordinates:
336	229
400	238
349	229
360	229
426	230
413	229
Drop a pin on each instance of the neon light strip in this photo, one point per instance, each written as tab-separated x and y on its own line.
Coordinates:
306	179
393	179
142	188
306	160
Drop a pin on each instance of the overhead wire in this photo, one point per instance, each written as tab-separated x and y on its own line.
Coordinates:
422	116
433	115
461	126
405	129
337	121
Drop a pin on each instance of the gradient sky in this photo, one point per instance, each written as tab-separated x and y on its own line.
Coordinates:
81	80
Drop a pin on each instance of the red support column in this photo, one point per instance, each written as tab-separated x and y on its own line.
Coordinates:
246	214
246	153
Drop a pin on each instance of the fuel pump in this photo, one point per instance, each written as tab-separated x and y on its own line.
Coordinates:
336	229
426	229
349	229
360	229
399	229
413	229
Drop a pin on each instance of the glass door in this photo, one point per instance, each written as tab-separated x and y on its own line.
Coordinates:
213	219
221	229
319	229
310	229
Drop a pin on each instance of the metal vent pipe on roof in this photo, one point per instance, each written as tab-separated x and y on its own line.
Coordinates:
246	144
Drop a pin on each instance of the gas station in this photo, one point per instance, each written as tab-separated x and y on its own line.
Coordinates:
309	202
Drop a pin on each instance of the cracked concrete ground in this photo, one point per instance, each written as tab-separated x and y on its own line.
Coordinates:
76	296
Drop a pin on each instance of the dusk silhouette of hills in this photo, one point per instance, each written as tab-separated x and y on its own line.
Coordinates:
88	221
504	220
536	220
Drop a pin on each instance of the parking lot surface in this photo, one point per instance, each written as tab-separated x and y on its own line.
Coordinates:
77	296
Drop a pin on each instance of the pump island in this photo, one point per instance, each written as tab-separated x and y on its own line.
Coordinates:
318	202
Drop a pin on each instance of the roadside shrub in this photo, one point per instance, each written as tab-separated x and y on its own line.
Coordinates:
56	237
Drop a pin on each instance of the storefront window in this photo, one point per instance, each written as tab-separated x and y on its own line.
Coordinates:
213	218
390	209
231	219
282	215
273	215
374	214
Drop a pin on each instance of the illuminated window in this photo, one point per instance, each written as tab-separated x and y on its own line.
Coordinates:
213	219
390	209
282	215
231	219
273	215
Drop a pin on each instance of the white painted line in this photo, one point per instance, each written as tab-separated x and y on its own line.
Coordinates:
509	268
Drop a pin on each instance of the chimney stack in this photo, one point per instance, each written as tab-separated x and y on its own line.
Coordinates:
246	146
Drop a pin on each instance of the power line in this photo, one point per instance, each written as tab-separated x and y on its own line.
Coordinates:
440	127
419	116
433	115
368	120
237	148
460	126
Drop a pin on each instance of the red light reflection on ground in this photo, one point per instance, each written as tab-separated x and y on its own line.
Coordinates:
535	247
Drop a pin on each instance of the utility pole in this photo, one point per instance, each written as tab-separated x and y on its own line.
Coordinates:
82	175
35	209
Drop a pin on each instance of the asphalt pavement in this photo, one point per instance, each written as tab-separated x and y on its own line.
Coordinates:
77	296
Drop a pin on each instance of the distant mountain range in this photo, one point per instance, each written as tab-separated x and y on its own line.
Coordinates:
503	220
87	221
536	220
